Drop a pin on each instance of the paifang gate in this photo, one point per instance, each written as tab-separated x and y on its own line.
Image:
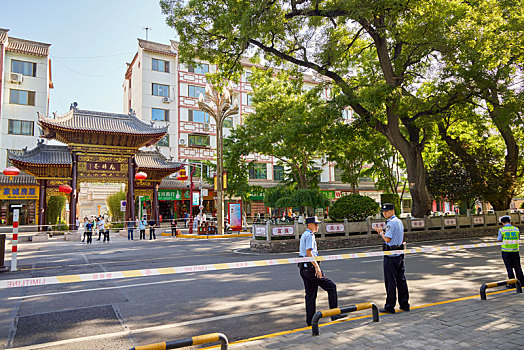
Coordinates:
99	147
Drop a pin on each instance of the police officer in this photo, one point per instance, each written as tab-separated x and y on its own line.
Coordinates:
394	277
510	251
312	275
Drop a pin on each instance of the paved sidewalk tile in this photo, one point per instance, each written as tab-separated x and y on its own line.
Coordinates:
491	324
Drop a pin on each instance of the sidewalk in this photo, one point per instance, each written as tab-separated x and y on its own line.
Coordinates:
496	323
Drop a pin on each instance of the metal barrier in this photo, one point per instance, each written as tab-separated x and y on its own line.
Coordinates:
498	284
338	311
197	340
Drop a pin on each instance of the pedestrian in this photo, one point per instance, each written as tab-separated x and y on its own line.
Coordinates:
312	275
173	227
130	227
142	227
152	224
77	223
186	216
99	227
510	251
394	277
85	230
89	231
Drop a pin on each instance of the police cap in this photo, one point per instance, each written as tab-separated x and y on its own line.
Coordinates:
505	218
387	206
312	220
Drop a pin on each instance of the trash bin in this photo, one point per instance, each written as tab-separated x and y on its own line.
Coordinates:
2	253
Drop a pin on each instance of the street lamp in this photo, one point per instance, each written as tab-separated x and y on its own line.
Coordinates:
220	107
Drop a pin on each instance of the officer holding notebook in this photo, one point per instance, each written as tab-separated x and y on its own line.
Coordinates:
394	278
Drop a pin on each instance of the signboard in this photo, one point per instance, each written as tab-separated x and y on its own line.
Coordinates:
205	192
173	195
282	231
478	220
196	198
235	216
260	231
450	222
123	205
417	223
334	228
382	225
256	196
19	192
329	194
111	168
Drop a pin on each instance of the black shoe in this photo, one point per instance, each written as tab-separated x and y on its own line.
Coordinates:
407	309
387	311
338	317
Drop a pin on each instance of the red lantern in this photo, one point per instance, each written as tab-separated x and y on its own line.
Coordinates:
11	171
182	176
65	189
140	176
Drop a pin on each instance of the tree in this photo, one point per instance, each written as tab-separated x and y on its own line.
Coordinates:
353	207
306	199
113	203
449	180
486	131
288	124
377	54
54	208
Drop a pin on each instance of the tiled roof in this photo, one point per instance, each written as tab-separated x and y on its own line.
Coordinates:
177	184
156	47
43	154
77	119
20	179
3	35
27	47
154	160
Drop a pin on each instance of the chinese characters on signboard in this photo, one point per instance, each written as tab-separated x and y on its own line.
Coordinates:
19	192
102	166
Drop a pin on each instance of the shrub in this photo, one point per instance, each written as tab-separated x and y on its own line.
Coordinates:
353	207
522	205
54	208
113	203
391	198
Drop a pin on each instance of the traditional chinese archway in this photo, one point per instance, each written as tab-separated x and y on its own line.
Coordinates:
100	147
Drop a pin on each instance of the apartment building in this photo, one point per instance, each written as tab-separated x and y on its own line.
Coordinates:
164	91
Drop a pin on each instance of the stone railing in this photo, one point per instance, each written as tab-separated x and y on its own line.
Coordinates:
426	224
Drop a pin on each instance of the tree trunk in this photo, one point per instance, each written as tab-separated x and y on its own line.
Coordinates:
417	183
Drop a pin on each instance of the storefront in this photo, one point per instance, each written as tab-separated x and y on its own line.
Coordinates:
174	203
26	195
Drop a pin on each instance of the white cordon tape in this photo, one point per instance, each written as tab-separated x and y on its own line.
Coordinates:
41	281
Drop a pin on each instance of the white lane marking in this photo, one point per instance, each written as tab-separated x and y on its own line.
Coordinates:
153	328
97	289
374	260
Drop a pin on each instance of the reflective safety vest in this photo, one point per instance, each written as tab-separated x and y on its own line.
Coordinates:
510	233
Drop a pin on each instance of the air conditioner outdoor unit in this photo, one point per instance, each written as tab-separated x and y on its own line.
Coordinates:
182	142
17	78
166	99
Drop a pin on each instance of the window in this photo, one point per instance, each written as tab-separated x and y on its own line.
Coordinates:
194	115
24	68
160	90
164	142
22	97
249	98
247	76
228	122
195	91
160	66
278	172
338	173
159	114
20	127
199	140
202	68
258	171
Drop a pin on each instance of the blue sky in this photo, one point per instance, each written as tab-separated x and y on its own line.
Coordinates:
91	41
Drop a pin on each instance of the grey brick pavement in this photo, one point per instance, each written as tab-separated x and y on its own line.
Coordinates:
493	324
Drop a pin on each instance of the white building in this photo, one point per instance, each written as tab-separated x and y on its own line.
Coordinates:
163	91
25	81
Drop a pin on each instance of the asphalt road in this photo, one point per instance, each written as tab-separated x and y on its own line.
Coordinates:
241	303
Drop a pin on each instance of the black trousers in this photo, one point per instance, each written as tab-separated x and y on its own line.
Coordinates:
106	235
152	234
311	284
394	279
512	262
89	237
142	234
